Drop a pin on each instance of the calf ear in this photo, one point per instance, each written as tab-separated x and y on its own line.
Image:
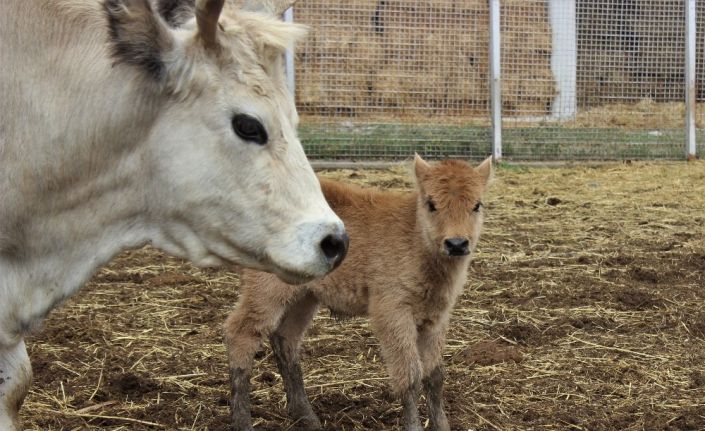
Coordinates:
421	167
486	171
138	36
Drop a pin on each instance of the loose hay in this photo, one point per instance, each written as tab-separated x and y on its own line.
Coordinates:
600	296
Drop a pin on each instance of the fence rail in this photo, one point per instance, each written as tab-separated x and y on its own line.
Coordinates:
572	79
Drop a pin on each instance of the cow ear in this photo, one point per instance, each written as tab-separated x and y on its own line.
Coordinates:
176	12
138	36
273	7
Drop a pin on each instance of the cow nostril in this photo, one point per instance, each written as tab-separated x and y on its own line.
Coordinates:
335	247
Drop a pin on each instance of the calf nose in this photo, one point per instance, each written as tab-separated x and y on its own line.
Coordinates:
335	247
457	246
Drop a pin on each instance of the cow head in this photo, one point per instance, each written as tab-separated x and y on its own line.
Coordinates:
230	179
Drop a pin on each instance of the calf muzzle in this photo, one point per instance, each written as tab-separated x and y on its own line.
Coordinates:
456	246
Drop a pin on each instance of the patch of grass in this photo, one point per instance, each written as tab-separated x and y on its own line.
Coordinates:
511	167
550	142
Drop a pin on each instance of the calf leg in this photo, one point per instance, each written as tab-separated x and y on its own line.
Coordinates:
257	314
15	378
430	344
433	386
285	343
412	422
397	334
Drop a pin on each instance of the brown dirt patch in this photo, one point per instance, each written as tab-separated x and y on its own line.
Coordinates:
602	295
489	353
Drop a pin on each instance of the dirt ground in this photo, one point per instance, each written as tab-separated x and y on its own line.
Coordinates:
584	310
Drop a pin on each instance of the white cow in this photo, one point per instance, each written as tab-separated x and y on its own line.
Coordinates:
118	128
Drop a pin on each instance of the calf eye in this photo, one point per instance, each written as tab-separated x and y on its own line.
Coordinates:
249	129
431	206
477	207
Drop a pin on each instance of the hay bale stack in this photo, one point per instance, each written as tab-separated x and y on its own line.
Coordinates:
630	51
338	60
413	59
528	85
434	59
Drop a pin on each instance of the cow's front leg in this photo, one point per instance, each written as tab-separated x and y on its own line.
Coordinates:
397	335
15	378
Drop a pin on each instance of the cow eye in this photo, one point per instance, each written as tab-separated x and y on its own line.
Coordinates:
249	129
431	206
477	207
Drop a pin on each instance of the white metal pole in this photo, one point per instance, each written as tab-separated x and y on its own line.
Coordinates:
564	60
495	80
289	57
690	96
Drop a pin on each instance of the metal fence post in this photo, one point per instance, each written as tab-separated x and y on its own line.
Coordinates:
289	57
690	96
564	59
495	80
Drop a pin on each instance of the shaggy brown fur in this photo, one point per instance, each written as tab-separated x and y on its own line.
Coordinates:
407	263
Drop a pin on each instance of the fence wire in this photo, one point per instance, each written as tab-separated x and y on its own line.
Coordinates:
380	79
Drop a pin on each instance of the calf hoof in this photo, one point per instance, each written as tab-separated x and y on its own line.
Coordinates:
442	425
309	422
242	426
241	422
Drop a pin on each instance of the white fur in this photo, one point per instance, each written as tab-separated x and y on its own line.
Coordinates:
95	158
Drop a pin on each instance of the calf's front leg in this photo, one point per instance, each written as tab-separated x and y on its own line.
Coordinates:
397	335
430	345
285	342
433	386
254	317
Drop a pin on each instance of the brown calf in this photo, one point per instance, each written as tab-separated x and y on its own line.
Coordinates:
407	263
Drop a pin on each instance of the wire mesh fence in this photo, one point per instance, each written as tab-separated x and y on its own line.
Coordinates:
384	78
581	79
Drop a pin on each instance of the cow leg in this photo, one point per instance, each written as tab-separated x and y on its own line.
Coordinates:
285	343
397	335
256	315
430	344
15	378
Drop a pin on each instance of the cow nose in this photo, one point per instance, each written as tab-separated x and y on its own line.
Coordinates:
457	246
335	247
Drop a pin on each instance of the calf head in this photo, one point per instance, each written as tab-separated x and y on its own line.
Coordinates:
229	178
450	204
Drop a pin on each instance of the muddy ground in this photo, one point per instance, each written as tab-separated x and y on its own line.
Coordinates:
584	309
